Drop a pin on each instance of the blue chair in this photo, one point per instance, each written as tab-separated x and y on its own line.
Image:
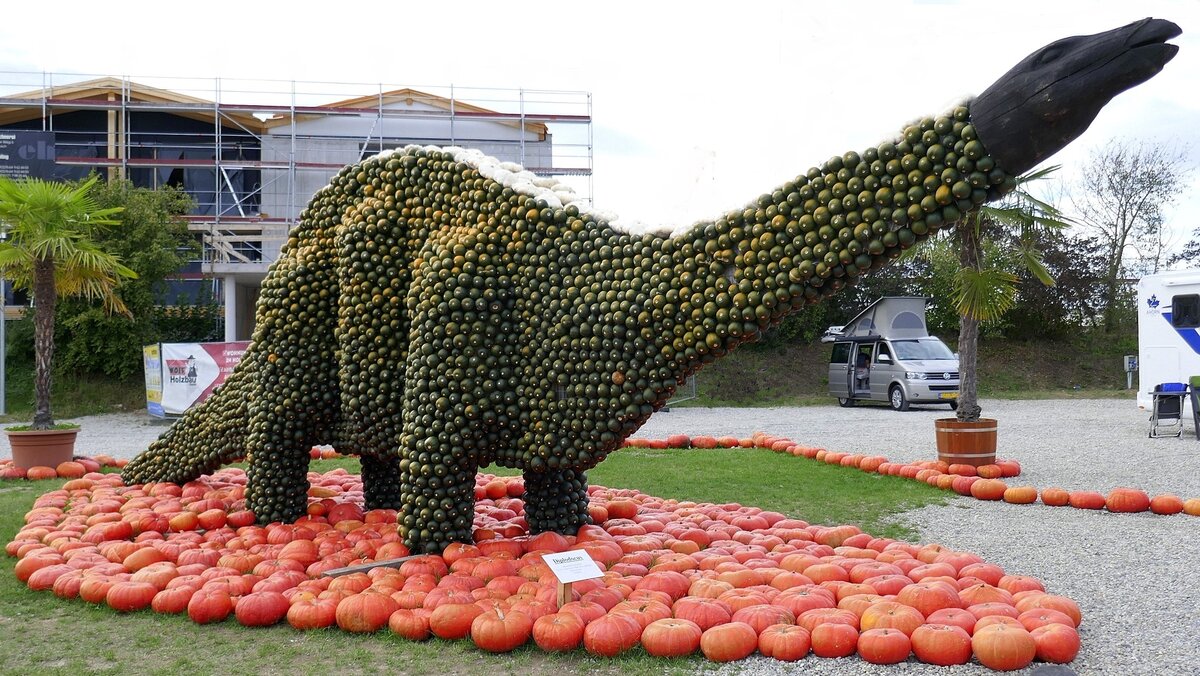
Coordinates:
1166	413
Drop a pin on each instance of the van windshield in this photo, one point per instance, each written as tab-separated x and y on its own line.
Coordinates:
930	348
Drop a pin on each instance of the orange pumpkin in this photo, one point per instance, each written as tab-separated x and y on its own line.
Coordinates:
728	642
1003	647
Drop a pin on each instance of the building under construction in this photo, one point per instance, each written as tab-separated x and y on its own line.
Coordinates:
252	153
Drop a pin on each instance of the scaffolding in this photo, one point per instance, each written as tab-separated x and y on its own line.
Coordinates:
260	148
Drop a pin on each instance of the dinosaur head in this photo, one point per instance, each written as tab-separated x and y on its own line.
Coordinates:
1050	97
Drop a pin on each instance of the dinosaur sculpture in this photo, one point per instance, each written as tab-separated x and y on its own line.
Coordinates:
435	319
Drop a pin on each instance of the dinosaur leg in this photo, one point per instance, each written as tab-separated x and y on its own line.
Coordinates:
381	482
556	500
277	478
437	495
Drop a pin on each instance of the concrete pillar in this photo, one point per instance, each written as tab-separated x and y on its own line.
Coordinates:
230	285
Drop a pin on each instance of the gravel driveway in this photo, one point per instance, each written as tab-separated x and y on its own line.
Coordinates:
1135	576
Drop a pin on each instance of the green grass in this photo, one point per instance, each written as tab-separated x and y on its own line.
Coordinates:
798	374
46	635
798	487
71	396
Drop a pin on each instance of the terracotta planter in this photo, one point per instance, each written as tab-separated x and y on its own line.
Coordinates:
966	443
46	448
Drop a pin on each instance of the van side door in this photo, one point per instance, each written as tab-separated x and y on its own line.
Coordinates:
883	370
839	370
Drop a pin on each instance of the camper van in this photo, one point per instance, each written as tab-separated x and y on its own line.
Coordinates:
1168	331
885	354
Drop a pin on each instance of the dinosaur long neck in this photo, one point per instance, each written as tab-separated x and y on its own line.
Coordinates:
811	237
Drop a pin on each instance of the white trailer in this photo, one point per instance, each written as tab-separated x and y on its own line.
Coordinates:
1168	331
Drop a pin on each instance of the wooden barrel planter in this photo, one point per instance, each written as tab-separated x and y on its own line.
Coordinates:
966	443
46	448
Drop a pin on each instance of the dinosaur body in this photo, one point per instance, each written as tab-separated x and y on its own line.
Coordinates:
434	321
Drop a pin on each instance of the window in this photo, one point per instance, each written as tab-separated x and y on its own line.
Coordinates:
1185	311
864	356
908	320
841	353
925	348
883	356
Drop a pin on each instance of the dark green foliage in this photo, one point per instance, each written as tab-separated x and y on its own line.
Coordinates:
1076	300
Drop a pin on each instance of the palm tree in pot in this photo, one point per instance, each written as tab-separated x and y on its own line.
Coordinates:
48	249
986	250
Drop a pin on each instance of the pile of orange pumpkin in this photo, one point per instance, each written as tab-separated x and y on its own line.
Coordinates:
72	469
679	577
982	483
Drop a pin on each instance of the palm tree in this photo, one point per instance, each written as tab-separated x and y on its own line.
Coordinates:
47	247
989	246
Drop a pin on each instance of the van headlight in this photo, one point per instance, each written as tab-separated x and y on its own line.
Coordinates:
914	375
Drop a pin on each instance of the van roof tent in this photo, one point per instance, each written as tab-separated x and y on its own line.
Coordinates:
890	317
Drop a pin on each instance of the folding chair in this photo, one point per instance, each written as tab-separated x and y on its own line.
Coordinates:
1166	413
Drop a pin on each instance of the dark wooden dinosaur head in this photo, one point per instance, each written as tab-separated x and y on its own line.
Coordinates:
1051	97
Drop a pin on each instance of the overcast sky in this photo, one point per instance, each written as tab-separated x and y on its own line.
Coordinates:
698	106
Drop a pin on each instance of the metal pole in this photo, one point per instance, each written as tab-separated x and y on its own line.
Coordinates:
591	185
522	95
3	347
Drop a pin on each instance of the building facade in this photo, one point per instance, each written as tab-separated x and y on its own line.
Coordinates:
252	154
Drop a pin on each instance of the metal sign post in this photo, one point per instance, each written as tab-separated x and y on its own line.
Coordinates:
3	347
1131	365
3	337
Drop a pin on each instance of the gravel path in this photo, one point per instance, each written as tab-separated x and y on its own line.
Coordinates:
1133	575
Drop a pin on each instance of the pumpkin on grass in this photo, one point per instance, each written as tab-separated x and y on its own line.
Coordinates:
365	612
261	608
728	642
497	631
209	605
128	596
412	624
558	632
612	634
312	613
671	637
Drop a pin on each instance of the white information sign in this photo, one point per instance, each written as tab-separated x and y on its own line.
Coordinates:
572	566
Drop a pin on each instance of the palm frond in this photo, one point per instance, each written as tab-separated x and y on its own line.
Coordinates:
984	294
54	221
1031	260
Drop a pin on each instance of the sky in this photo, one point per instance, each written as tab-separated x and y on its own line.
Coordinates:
698	107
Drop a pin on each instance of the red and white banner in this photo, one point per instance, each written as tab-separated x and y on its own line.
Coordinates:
191	371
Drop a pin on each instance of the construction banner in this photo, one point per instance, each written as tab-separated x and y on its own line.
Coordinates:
189	373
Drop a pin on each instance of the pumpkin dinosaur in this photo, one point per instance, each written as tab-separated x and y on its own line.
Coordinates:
433	316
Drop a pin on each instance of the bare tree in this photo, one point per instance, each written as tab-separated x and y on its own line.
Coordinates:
1124	190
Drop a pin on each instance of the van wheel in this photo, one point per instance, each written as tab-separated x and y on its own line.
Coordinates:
897	399
845	402
954	406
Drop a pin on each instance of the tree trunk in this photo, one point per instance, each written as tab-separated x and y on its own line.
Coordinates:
45	295
968	330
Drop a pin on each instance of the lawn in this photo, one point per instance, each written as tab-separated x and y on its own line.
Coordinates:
47	635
